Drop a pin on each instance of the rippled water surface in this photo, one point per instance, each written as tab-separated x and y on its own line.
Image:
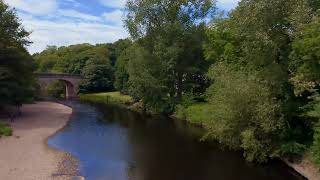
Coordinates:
113	143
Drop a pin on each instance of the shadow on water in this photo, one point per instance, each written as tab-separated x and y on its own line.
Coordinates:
113	143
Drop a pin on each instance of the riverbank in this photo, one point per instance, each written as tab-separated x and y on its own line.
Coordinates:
115	98
306	168
196	115
26	154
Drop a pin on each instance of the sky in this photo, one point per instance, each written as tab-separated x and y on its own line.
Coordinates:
67	22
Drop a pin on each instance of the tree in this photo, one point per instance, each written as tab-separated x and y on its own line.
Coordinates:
315	6
56	89
121	69
147	81
305	58
117	48
244	114
173	33
98	77
251	54
91	61
16	67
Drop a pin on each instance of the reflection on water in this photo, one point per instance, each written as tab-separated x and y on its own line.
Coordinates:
113	143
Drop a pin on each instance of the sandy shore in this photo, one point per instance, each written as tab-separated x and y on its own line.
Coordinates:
306	168
26	155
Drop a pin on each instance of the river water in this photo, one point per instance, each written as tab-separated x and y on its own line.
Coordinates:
113	143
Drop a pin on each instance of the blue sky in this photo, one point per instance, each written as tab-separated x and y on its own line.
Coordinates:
66	22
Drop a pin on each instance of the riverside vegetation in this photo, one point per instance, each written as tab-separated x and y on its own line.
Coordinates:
107	98
5	129
250	77
16	64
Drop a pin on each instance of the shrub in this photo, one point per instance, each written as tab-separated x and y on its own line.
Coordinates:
107	98
6	131
244	114
315	112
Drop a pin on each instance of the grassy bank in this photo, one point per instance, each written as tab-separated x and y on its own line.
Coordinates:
5	129
107	98
195	114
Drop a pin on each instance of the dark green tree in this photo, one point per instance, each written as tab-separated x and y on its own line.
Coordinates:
16	67
251	53
98	77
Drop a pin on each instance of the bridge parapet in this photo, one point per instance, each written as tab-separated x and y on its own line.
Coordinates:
58	75
71	81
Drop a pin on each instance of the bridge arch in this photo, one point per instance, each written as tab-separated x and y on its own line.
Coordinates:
71	82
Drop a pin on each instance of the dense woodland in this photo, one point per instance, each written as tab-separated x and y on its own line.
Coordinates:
251	76
95	62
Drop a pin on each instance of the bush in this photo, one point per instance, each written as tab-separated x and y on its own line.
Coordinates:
107	98
244	114
315	112
197	113
56	89
315	149
5	130
187	100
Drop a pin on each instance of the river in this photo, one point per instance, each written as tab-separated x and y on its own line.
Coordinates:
113	143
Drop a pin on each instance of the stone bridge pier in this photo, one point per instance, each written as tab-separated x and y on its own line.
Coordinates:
71	82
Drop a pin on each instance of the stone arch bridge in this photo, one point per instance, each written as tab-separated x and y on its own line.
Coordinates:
71	82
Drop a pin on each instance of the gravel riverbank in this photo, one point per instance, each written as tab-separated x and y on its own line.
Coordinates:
26	154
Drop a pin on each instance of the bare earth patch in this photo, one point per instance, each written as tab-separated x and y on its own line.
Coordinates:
306	168
26	154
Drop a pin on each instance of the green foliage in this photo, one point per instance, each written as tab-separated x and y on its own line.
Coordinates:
121	72
315	6
196	113
56	89
315	149
263	58
117	48
107	98
16	67
314	112
171	34
305	58
5	130
187	99
93	62
98	78
253	105
243	113
147	81
293	149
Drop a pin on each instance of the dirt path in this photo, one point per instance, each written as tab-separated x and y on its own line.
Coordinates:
26	155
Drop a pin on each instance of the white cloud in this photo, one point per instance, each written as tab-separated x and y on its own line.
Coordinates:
77	14
66	32
35	7
114	17
63	27
114	3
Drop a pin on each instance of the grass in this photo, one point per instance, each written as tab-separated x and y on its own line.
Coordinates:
196	113
107	98
5	129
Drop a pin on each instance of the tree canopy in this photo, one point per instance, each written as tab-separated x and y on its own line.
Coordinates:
16	67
